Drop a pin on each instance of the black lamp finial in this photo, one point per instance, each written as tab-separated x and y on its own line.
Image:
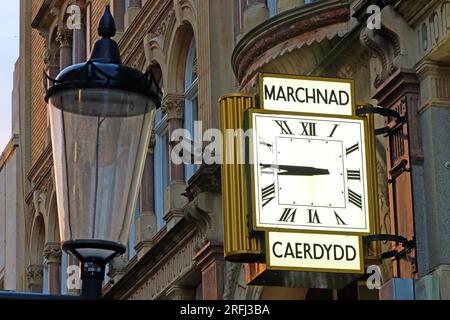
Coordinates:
106	49
107	26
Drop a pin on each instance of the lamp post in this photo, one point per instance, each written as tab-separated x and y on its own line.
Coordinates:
101	114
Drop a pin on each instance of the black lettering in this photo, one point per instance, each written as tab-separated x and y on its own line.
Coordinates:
333	98
354	175
316	249
281	94
313	97
306	250
347	248
355	198
288	215
327	250
352	149
313	216
273	249
340	222
334	130
290	94
284	127
297	95
269	94
344	98
336	254
323	96
289	251
268	194
309	129
298	251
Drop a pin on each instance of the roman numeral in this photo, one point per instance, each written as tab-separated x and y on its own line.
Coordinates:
355	198
309	128
334	130
268	194
339	220
288	215
352	149
284	127
313	216
353	175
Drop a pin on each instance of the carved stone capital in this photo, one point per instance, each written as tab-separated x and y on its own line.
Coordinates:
51	57
35	275
52	253
173	106
64	38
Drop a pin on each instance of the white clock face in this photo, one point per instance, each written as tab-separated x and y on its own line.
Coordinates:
309	173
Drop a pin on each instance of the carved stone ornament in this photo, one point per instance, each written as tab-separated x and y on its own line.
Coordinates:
64	38
52	253
35	274
173	106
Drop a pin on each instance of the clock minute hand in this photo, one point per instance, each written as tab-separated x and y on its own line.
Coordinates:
296	170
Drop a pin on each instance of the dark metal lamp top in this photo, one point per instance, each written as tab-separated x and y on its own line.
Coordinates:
104	69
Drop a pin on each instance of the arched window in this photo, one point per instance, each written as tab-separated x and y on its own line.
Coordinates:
191	102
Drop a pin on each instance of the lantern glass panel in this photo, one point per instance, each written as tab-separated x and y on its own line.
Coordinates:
100	139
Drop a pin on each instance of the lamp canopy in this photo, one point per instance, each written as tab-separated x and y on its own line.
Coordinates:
104	69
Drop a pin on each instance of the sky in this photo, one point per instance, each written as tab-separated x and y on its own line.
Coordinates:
9	53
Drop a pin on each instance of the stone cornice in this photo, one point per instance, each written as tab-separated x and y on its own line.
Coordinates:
283	27
415	11
143	280
152	13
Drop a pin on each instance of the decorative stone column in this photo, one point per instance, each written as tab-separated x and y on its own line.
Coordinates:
134	6
210	260
180	293
146	224
52	253
35	275
65	38
173	106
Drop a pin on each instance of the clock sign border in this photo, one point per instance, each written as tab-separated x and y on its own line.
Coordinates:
370	166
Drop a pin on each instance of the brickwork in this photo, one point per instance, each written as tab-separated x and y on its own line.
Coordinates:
38	106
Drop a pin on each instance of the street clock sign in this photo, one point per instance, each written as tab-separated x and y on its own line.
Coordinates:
314	252
307	94
309	173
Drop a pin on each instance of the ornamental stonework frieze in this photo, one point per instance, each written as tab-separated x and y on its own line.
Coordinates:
173	106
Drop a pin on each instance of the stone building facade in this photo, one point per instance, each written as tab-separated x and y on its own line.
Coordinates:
201	50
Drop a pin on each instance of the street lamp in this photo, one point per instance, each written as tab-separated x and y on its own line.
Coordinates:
101	117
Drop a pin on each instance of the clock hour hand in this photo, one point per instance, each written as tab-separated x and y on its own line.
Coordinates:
296	170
